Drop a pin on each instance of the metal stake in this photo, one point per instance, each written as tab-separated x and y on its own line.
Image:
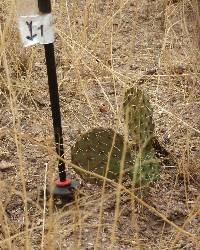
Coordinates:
55	106
64	186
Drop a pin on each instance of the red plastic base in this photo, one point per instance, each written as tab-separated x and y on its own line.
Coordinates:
65	183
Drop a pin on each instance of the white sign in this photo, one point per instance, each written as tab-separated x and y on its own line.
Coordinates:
36	29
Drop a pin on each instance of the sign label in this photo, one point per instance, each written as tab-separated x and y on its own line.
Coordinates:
36	29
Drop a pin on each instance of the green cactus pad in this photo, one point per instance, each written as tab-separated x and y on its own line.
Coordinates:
139	114
144	170
139	119
91	153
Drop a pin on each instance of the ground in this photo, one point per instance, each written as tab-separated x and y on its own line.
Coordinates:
101	49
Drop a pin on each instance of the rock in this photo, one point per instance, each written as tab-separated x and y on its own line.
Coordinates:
4	165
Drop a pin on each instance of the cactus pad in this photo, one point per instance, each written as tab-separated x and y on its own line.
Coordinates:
139	116
144	170
91	153
139	119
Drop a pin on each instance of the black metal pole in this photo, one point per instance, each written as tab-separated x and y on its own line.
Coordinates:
45	7
64	187
55	106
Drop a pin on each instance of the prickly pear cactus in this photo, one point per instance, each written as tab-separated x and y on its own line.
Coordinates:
92	149
91	153
139	119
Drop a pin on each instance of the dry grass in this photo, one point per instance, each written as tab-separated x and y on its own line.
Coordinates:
102	47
